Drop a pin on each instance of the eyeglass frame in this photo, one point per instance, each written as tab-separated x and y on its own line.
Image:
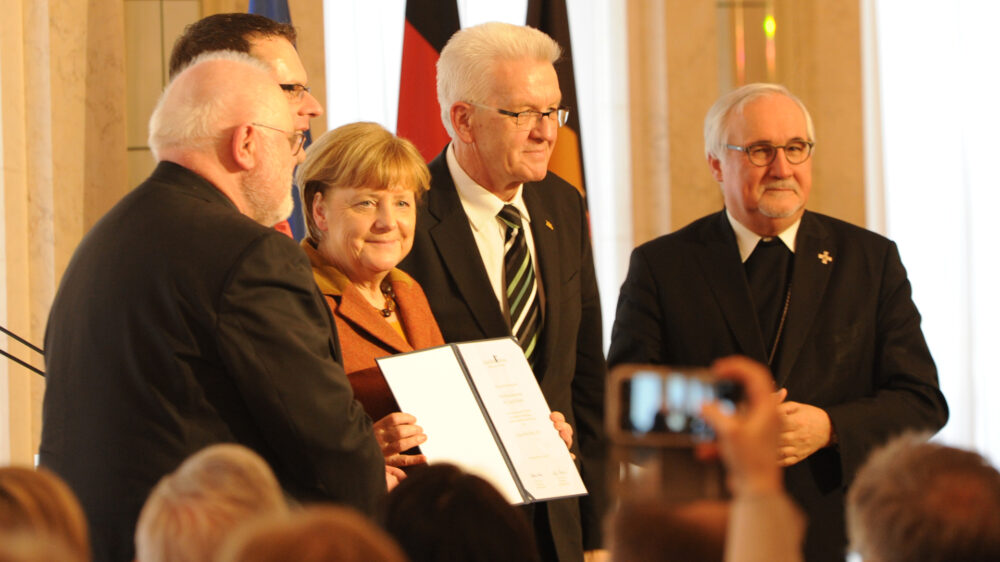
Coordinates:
539	114
746	150
295	90
300	135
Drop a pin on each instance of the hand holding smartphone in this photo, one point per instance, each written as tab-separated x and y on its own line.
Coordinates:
659	406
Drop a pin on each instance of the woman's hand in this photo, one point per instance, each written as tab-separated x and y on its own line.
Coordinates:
563	427
396	433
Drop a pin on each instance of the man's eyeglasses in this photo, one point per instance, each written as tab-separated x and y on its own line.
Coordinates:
763	153
295	91
295	138
528	119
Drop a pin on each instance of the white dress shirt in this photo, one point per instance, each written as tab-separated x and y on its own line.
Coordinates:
481	207
747	240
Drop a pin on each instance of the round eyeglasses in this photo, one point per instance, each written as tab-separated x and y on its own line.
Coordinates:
763	153
295	138
528	119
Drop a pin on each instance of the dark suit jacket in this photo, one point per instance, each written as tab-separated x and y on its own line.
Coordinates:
180	323
365	335
571	370
851	344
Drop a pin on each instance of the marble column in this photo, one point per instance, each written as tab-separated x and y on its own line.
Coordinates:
64	164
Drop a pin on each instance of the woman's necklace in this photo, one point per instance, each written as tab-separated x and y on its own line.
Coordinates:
390	298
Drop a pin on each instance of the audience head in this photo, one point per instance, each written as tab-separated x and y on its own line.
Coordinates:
915	500
263	38
494	82
39	507
240	139
439	513
651	530
22	546
355	156
315	534
758	142
191	510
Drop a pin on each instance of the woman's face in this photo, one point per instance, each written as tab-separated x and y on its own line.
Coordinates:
368	230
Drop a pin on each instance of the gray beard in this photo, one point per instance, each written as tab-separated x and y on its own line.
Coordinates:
262	209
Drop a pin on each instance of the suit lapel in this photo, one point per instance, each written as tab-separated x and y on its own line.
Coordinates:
452	236
720	260
809	280
547	264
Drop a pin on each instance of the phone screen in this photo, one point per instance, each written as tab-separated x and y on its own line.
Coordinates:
670	402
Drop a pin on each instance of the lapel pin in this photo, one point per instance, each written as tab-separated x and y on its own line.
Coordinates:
549	224
825	257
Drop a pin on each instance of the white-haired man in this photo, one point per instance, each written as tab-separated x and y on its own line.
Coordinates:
824	303
503	248
183	321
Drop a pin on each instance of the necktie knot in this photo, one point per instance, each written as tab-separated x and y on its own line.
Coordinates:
510	216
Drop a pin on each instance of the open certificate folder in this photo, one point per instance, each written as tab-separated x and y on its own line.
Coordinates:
481	408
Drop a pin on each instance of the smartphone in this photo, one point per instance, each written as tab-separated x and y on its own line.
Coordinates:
660	406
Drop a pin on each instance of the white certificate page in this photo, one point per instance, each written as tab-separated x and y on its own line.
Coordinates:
520	415
431	386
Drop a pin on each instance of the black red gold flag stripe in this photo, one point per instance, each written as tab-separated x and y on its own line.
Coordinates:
551	17
429	25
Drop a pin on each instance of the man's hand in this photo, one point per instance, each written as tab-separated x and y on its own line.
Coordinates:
748	438
396	433
393	476
563	427
805	429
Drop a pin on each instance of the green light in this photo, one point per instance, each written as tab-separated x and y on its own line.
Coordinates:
769	27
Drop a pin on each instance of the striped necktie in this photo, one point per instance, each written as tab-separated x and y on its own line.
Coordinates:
522	291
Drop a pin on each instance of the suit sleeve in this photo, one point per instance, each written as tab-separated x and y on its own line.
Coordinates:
636	334
277	340
906	394
588	395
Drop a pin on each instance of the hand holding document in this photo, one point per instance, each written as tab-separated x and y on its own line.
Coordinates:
481	408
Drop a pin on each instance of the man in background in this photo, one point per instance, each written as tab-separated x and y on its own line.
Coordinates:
825	304
502	247
182	320
271	42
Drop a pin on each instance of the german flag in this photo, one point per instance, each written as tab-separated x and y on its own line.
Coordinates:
551	17
429	25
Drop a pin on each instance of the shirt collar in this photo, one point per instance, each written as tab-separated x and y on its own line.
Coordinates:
481	205
747	240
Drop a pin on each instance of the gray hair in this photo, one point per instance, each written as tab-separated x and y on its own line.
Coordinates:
191	510
193	121
717	119
914	500
463	70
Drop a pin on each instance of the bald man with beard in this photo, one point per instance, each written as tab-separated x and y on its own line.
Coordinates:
183	321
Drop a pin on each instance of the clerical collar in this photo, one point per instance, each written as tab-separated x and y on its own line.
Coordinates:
480	204
747	240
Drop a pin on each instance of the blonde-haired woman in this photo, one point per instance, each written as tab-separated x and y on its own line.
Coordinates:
360	185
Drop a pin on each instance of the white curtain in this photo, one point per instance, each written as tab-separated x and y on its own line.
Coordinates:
364	43
937	76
